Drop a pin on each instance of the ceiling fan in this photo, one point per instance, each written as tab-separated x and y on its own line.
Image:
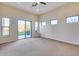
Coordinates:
35	4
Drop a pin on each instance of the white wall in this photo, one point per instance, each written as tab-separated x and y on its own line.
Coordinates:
62	31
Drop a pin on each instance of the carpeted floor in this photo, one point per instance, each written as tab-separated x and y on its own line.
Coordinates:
38	47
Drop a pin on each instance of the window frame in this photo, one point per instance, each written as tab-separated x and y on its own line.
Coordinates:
72	21
5	27
54	20
43	24
36	26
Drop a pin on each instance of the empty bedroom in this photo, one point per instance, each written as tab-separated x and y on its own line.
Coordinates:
39	28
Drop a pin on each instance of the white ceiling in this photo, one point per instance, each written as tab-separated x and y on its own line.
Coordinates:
40	9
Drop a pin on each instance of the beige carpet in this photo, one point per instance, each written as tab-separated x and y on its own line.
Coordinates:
38	47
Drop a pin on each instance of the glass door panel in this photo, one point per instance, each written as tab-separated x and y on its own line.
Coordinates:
21	29
28	29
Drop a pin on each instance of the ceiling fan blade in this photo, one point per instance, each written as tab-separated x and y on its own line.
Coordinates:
43	3
34	5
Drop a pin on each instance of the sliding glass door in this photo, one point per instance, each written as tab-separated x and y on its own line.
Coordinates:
24	29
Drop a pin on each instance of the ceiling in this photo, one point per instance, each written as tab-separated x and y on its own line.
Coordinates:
39	9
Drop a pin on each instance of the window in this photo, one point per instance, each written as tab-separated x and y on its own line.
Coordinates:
43	23
73	19
36	26
5	26
54	22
